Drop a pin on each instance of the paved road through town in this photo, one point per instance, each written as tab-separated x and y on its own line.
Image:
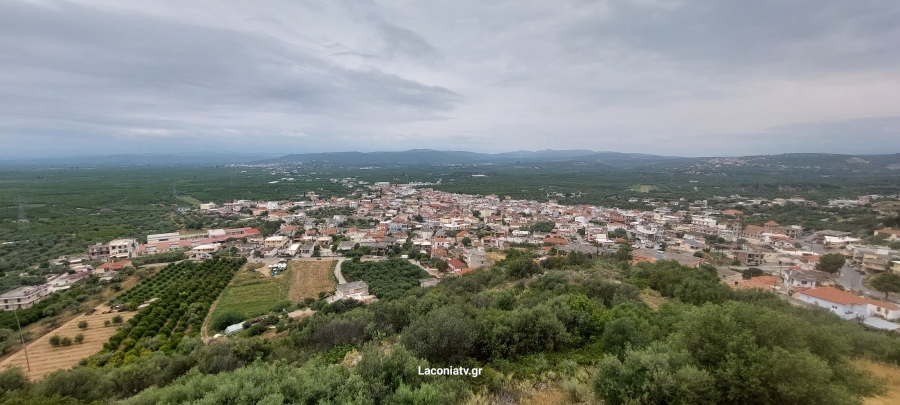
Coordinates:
848	276
852	280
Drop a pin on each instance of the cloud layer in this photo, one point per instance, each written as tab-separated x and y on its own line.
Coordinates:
670	77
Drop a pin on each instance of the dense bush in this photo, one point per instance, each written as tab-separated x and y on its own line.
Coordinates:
226	319
704	344
388	279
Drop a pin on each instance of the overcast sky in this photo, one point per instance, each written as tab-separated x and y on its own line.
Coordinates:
690	78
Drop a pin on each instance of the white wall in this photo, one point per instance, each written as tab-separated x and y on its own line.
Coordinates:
886	313
844	311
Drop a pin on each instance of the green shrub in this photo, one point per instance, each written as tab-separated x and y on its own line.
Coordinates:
226	319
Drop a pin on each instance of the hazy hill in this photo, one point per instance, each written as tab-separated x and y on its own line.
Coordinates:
435	157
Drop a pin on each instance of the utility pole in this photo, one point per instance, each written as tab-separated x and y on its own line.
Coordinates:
23	220
22	338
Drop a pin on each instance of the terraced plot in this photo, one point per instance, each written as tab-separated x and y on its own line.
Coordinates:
45	358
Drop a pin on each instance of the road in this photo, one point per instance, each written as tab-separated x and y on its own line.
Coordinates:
337	272
848	277
852	280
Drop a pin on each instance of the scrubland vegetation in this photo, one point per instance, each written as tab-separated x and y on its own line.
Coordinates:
583	328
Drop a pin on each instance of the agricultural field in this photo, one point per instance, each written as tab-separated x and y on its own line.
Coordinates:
253	293
388	279
178	297
309	278
45	358
494	257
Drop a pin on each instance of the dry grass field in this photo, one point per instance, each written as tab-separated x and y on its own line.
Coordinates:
45	358
887	207
309	277
892	375
494	257
39	329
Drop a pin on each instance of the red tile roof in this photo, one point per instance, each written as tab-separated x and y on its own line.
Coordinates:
456	264
884	304
555	241
834	295
115	266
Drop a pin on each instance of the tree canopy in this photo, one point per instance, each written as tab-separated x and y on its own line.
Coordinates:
831	262
887	282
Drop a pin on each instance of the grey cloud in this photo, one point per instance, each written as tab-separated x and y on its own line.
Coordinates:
108	71
402	40
721	77
736	34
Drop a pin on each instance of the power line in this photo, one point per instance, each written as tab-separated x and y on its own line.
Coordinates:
24	347
23	221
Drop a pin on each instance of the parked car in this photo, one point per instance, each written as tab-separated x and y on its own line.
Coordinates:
861	272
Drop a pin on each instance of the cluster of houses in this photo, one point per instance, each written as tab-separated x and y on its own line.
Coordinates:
461	228
78	270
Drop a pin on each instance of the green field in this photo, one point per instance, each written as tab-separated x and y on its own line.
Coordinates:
253	294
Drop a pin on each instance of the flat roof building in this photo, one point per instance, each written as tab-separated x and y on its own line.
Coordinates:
23	297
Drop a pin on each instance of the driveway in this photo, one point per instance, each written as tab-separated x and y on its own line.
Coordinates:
337	272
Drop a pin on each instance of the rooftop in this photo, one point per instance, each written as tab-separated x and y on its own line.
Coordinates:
834	295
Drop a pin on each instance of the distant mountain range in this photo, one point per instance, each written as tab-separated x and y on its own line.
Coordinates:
418	157
587	159
143	159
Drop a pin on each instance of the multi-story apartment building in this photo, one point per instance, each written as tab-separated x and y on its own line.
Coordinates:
115	249
23	297
99	252
123	248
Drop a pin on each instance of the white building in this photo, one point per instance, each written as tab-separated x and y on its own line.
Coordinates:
276	241
203	252
123	248
888	310
163	237
844	304
23	297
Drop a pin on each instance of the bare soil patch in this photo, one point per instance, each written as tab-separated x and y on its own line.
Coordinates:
494	257
309	277
45	358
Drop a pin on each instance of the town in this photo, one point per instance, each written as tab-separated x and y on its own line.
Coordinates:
452	234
